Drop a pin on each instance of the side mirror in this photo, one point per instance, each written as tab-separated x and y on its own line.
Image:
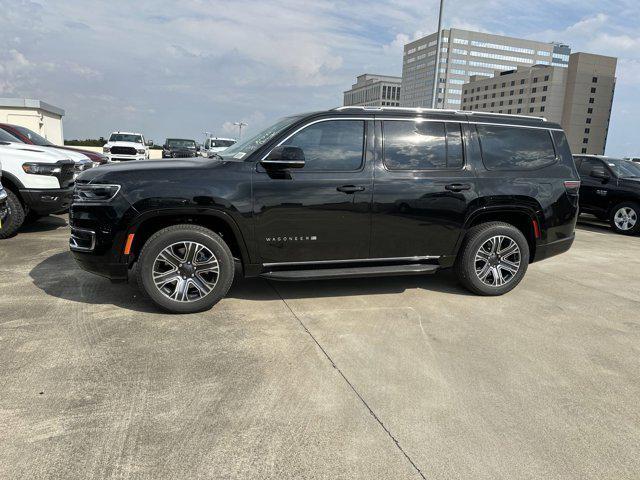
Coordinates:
284	157
599	173
149	143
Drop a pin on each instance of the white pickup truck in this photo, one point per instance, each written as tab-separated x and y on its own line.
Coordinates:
125	146
37	181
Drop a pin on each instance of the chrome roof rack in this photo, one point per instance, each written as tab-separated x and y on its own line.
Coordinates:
434	110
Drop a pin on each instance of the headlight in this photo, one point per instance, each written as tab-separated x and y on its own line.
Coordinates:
89	193
106	149
141	150
42	168
83	165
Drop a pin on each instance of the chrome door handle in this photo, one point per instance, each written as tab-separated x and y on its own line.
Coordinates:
457	187
350	188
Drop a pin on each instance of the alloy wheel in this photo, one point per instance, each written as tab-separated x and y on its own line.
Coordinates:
625	218
497	261
185	271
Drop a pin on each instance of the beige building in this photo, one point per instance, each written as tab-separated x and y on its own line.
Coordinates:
465	53
578	97
374	90
38	116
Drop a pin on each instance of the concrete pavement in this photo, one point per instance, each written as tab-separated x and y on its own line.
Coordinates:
407	377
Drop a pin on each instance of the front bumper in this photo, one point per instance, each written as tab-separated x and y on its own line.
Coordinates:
46	201
125	158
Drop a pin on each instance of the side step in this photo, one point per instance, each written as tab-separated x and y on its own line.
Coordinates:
351	272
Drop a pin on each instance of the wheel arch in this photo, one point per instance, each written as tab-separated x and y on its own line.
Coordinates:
11	182
524	218
217	221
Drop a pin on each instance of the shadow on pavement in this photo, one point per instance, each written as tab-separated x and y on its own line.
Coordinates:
44	224
60	277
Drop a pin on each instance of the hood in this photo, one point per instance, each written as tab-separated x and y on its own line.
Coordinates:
75	156
125	144
113	171
31	153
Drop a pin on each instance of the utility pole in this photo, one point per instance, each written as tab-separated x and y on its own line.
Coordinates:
436	80
239	125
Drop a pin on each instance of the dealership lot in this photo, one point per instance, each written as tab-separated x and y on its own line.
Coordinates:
403	377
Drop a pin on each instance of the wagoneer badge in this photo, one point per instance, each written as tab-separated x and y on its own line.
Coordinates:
301	238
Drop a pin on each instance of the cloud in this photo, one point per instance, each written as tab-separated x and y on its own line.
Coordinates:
199	65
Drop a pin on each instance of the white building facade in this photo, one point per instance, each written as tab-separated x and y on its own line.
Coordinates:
41	117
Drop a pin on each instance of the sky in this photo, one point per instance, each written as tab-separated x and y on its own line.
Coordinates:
178	69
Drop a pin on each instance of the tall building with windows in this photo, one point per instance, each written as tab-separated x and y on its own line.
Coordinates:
579	97
466	53
374	90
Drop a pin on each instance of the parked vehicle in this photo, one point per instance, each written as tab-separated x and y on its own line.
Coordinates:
126	146
37	180
215	145
633	159
342	193
4	206
610	190
30	137
179	148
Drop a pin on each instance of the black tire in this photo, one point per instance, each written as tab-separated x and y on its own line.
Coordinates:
466	264
16	216
634	217
174	235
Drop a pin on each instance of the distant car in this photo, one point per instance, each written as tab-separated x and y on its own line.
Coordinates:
32	138
179	148
216	145
126	146
633	159
610	190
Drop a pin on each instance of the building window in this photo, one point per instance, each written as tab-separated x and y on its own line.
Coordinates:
509	111
587	130
535	79
502	94
588	120
585	140
486	87
531	110
593	89
534	89
501	103
485	97
544	98
493	104
511	92
589	110
521	91
519	110
522	82
544	88
591	100
493	95
533	99
584	150
519	101
510	102
495	85
542	108
546	78
513	82
594	80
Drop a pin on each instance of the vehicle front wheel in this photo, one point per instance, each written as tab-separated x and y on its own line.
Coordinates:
16	216
624	218
493	259
185	268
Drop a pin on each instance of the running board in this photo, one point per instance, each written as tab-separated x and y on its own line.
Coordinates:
351	272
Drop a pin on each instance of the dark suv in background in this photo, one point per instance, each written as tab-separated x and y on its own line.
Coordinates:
348	192
611	191
179	148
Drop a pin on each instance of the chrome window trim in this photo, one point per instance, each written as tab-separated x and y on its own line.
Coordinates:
354	260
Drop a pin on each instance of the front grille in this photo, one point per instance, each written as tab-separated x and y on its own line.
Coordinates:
123	151
182	155
66	174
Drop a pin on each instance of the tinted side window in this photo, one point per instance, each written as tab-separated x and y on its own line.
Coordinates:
514	148
588	164
410	145
335	145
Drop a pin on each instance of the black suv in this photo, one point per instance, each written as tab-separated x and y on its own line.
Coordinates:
179	148
353	191
610	190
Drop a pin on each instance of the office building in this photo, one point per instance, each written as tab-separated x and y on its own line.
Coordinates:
465	53
374	90
578	97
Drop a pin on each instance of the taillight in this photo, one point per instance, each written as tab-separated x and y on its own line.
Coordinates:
572	186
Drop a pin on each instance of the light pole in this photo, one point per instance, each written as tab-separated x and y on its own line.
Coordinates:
240	125
436	80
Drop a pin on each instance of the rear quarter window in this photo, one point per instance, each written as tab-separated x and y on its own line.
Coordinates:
515	148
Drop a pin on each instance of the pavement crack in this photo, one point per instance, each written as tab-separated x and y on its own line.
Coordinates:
351	386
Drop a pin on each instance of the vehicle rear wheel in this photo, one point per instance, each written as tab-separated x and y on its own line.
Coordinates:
625	218
493	259
16	216
185	268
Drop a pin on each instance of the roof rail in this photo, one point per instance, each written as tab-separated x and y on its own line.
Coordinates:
443	110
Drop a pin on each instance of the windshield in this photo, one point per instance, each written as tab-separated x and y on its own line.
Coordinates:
34	137
7	137
251	144
125	137
222	143
181	143
623	168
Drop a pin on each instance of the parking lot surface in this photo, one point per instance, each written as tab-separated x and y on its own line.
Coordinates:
407	377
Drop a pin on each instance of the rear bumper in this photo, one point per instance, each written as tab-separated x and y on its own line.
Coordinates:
48	201
553	248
